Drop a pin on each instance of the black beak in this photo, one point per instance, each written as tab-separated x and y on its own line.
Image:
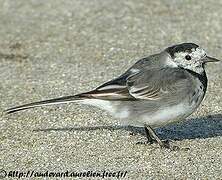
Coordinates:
210	59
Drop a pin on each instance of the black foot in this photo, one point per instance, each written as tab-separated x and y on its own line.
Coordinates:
144	143
152	137
147	142
166	144
132	134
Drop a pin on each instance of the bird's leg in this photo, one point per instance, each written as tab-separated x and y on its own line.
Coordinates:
150	140
152	137
148	136
163	144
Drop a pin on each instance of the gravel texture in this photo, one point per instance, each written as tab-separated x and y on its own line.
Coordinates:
54	48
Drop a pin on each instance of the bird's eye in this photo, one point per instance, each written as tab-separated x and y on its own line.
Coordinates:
188	57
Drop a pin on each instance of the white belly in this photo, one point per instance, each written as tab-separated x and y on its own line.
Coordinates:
167	115
161	117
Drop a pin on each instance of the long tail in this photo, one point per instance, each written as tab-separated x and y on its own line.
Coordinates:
61	100
103	94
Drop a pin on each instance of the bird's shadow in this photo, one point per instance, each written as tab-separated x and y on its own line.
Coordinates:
203	127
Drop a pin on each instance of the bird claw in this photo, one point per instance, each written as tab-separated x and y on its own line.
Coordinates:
163	144
166	144
146	142
132	134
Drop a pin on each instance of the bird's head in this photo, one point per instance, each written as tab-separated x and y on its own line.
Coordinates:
189	56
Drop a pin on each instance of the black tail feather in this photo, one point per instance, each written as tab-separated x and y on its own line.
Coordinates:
60	100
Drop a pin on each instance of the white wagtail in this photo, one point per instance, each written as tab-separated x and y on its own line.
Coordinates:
157	90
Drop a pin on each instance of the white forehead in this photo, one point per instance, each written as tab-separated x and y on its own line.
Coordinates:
198	52
195	53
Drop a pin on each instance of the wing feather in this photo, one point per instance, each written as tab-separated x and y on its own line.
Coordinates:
153	84
156	84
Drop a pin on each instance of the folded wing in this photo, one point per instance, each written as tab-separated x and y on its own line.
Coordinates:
157	84
153	85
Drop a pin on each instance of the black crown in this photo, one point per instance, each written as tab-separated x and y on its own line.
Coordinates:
184	47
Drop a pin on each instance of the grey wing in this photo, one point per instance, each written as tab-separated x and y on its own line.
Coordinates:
149	62
117	88
167	84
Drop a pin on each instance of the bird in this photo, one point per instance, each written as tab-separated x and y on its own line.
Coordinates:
157	90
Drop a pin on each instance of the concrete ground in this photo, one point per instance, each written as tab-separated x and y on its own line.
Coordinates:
54	48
